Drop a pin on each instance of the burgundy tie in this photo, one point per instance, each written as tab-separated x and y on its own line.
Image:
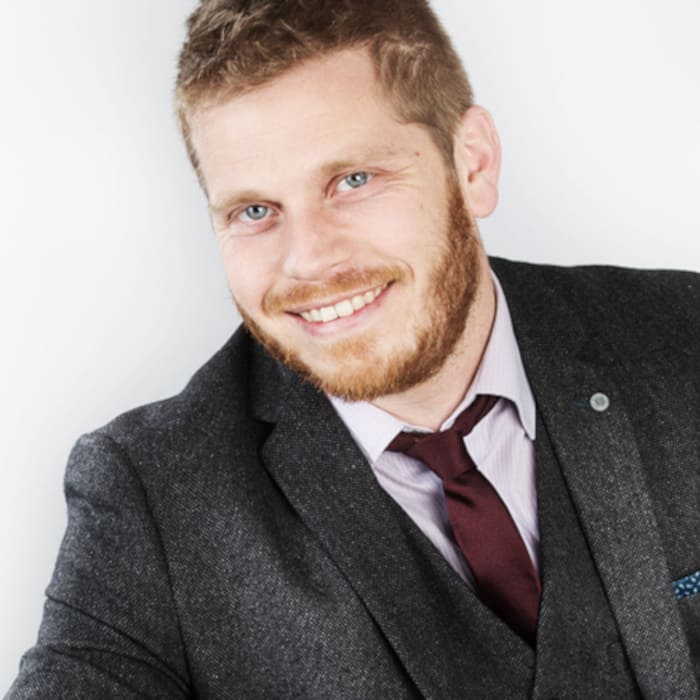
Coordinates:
505	577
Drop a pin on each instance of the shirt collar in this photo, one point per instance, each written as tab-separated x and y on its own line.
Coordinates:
500	373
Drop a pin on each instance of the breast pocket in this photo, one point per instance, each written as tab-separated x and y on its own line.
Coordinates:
687	592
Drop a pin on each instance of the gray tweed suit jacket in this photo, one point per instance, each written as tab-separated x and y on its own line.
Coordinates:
231	542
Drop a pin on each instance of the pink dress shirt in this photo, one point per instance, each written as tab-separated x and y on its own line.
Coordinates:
502	445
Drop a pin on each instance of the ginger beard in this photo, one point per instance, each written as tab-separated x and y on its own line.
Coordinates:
360	374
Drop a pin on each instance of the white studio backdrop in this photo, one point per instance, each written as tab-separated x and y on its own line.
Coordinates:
111	292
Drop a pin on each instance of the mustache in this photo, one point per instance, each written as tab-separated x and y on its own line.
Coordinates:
342	284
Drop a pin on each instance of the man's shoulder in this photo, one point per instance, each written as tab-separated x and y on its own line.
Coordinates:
612	282
215	401
637	311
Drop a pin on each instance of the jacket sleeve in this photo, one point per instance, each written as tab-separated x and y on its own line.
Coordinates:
109	628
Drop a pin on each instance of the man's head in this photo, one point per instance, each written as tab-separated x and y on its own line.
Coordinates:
234	46
345	219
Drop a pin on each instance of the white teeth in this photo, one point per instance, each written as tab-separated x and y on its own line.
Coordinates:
328	313
347	307
357	302
344	308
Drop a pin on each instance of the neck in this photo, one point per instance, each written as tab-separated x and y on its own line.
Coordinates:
429	404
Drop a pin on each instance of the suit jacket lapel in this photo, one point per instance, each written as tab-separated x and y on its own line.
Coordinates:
442	634
578	640
602	467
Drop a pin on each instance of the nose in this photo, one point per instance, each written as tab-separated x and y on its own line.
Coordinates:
315	246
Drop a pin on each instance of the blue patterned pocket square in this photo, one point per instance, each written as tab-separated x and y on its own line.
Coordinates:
687	586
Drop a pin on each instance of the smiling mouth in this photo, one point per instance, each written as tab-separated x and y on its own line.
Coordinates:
342	309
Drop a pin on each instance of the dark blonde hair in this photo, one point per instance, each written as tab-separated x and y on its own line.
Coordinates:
234	46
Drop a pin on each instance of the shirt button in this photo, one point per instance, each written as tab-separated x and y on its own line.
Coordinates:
600	402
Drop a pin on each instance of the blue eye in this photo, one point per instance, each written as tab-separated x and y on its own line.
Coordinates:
353	181
255	212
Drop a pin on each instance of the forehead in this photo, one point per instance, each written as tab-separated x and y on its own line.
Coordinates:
349	72
325	108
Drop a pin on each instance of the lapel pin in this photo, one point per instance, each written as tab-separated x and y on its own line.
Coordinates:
600	402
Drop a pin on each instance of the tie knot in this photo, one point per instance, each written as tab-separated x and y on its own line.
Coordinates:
444	451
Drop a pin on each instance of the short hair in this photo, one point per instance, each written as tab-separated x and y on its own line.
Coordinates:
234	46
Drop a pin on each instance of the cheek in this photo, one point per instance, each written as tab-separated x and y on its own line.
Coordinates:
410	235
249	271
387	231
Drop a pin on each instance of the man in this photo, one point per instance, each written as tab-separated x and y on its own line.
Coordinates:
314	516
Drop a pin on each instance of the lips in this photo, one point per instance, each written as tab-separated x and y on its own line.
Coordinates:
342	309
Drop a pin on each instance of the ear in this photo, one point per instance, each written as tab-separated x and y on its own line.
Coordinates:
477	154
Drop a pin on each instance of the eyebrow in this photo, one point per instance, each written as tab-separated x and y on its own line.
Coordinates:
362	157
231	200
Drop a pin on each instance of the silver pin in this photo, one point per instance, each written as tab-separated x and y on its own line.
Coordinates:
600	402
